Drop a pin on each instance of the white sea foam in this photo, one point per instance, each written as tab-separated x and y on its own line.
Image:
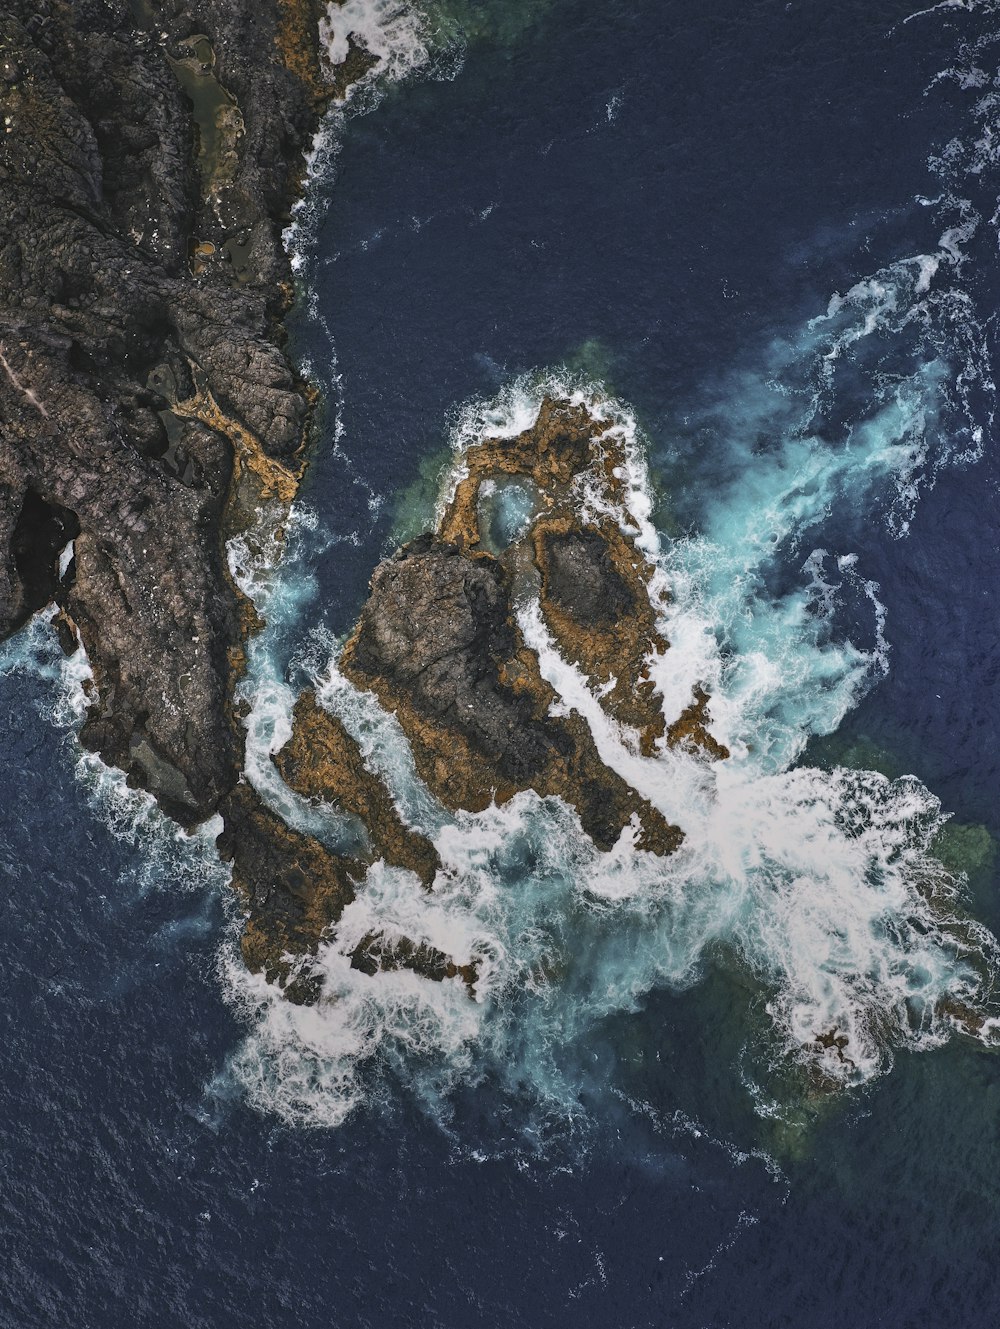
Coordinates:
400	37
170	859
822	883
394	32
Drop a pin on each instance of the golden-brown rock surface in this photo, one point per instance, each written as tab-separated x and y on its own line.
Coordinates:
438	645
293	889
322	760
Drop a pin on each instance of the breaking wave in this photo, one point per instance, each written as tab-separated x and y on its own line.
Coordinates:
821	884
167	857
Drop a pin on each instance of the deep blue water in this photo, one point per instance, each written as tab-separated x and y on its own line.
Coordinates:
678	185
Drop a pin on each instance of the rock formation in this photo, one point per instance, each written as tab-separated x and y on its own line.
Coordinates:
439	643
322	761
151	153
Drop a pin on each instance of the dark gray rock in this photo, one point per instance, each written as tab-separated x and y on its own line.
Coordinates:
103	195
437	629
581	579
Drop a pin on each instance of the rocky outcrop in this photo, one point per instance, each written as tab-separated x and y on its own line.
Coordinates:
580	553
293	889
376	953
150	155
438	645
322	761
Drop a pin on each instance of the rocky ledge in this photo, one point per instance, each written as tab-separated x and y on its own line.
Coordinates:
149	157
440	644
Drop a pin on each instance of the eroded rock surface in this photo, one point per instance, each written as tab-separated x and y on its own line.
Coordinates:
322	761
438	645
150	153
142	400
293	888
376	953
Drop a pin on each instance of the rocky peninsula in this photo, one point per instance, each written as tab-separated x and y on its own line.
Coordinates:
151	153
149	159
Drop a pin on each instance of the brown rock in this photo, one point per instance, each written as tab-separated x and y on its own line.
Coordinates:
690	728
377	952
436	642
322	760
293	887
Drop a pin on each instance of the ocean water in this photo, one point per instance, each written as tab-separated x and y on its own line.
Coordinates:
759	241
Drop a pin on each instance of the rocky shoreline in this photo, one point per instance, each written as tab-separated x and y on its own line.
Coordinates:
440	644
151	156
151	153
147	404
150	159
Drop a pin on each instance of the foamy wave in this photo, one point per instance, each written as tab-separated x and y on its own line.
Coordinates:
170	859
822	883
399	36
394	32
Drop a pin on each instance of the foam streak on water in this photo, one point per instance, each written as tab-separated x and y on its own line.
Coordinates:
399	37
822	884
168	858
392	31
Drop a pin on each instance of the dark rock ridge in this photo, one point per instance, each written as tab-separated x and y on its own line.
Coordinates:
146	404
150	155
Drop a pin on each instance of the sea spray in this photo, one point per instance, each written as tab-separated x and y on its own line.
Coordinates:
822	883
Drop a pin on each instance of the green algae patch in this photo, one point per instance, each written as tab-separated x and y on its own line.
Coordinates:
594	360
857	752
415	508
